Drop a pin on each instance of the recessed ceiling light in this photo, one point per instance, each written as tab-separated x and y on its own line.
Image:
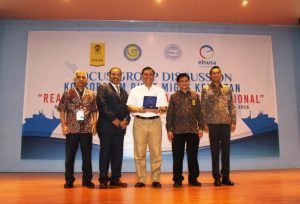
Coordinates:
245	2
158	1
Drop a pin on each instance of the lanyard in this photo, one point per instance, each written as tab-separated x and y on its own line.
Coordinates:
78	93
79	96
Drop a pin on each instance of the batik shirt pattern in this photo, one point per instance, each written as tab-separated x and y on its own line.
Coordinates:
217	105
71	103
184	113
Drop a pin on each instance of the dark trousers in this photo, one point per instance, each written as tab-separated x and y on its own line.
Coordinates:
178	146
111	152
219	137
72	142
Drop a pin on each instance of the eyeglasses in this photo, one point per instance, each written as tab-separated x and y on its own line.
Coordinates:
215	73
116	74
81	77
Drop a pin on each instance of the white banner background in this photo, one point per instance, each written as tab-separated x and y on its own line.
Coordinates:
245	59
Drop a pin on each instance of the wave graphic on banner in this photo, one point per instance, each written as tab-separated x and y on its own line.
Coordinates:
38	130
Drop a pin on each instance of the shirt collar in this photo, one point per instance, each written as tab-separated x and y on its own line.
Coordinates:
114	85
147	87
214	86
188	92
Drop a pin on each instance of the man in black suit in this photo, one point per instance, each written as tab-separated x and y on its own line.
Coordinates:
111	127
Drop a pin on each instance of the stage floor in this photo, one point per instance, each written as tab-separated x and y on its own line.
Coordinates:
261	186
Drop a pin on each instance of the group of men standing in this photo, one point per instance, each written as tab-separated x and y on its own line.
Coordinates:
187	118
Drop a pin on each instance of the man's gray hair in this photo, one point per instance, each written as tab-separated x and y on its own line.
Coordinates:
80	71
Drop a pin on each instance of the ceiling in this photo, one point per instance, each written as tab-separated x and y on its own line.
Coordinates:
262	12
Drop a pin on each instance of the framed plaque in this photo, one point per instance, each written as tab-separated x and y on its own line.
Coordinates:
150	102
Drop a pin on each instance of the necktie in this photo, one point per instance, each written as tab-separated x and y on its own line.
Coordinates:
118	90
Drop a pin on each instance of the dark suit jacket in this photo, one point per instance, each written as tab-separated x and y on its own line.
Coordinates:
111	106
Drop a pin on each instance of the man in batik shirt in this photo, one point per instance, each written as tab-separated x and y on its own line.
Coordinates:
218	112
78	115
184	126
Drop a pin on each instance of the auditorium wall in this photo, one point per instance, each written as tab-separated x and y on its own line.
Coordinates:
13	52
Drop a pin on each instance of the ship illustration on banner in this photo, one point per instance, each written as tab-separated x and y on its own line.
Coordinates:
38	130
261	123
39	125
41	138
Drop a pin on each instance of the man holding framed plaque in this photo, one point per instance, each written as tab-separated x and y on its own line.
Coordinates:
146	102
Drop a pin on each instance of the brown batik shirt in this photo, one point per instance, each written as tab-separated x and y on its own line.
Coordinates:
71	102
217	105
184	114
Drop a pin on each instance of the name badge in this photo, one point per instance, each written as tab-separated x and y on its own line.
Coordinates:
79	115
193	102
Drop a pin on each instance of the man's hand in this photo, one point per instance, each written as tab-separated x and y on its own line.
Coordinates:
170	136
205	128
124	124
157	110
233	127
65	129
200	133
94	129
148	110
116	122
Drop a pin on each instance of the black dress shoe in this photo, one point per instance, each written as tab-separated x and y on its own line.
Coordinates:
194	183
217	182
177	184
118	184
139	185
88	184
156	184
227	182
103	185
68	184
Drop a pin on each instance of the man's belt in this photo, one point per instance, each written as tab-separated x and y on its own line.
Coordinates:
147	118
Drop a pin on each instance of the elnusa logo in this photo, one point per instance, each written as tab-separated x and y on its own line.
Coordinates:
206	53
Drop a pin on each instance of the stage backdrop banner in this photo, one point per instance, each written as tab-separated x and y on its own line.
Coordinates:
246	62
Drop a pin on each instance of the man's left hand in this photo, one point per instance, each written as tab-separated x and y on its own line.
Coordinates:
233	127
124	124
200	133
